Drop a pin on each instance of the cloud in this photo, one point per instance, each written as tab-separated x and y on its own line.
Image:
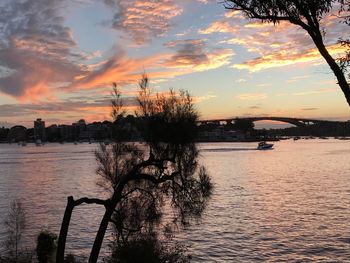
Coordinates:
285	57
5	124
312	92
309	109
36	48
276	45
118	68
98	109
251	96
187	56
193	54
219	27
189	52
200	99
255	107
297	78
233	13
71	109
143	20
262	85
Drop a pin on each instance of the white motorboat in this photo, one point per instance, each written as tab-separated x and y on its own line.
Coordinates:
264	146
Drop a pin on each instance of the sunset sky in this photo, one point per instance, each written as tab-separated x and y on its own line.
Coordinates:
58	59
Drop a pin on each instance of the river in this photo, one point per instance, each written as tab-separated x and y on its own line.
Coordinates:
289	204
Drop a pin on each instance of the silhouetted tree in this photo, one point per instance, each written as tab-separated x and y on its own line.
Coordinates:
344	61
3	133
306	14
143	178
243	125
148	248
15	224
46	246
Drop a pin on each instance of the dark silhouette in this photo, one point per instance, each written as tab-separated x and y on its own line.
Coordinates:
306	14
46	246
15	223
142	178
226	129
148	248
3	134
243	125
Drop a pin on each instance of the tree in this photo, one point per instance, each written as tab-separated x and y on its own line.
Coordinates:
15	224
243	125
148	248
46	245
344	61
304	13
142	179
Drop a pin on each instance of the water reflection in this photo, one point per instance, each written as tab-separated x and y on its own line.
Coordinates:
288	204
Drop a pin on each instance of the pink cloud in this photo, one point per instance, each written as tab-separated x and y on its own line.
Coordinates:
143	20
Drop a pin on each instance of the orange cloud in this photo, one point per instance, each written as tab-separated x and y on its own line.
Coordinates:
286	57
234	13
190	56
219	26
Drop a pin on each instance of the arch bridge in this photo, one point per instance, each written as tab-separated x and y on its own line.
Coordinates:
299	122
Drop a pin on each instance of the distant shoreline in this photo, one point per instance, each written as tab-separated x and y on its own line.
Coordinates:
199	141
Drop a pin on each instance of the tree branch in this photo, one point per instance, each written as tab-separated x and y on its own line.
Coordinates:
90	201
152	179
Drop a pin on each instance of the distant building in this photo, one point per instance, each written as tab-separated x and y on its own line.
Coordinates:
39	130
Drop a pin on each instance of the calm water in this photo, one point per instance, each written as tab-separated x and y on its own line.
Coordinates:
290	204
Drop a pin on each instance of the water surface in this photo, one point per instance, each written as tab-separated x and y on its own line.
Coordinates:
290	204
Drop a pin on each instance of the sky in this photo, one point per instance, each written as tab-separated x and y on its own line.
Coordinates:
59	58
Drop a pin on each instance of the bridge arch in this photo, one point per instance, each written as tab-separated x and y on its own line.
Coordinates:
299	122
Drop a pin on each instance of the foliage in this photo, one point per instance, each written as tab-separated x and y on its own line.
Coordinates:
295	11
46	246
243	125
148	249
344	61
164	171
344	11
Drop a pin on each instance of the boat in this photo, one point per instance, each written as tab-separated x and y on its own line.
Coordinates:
264	146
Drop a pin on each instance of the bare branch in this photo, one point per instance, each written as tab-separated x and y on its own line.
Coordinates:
90	201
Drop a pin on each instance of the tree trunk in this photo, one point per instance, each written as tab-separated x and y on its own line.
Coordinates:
95	251
110	206
64	230
342	82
